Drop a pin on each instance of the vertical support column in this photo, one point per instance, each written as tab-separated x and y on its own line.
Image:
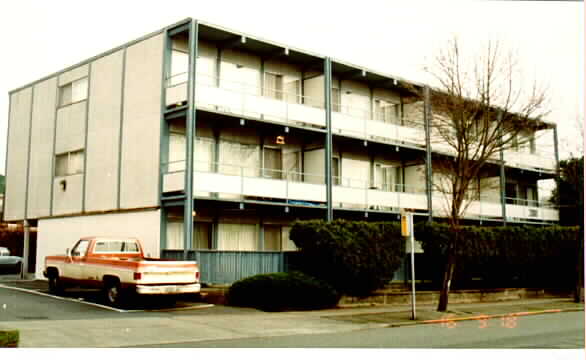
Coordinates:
556	151
328	160
190	132
428	169
25	250
502	178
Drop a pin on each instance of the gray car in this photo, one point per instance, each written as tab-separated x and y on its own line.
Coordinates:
9	264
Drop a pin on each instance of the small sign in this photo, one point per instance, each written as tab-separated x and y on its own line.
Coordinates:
406	224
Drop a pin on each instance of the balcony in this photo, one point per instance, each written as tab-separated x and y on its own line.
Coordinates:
531	210
241	99
224	181
537	160
489	208
245	183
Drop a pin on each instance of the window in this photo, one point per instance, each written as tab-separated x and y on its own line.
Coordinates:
236	156
242	237
336	100
272	163
276	238
272	238
387	112
336	180
387	178
532	146
515	143
273	86
116	246
202	235
73	92
70	163
179	67
80	248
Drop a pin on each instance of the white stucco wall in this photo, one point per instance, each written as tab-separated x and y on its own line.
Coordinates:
56	235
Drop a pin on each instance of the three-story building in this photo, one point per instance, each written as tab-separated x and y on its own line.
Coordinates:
264	134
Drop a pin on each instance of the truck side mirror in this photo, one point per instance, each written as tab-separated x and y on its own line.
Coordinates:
68	253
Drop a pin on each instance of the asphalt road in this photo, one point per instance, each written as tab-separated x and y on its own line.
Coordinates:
548	331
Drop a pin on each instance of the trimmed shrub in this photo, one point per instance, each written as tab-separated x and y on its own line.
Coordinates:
504	256
9	338
355	257
282	291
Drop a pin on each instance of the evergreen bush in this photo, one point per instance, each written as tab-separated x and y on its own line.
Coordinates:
355	257
282	291
506	255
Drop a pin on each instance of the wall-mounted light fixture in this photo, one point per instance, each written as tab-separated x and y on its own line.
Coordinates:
280	140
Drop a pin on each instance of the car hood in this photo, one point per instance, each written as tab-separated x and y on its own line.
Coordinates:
10	259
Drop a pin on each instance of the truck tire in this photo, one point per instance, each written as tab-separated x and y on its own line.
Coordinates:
113	292
55	286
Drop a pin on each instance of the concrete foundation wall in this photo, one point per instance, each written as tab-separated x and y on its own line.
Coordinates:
56	235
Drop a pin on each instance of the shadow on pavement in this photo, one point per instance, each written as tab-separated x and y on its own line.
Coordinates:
133	302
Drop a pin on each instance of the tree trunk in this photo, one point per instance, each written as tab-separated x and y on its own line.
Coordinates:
447	280
579	265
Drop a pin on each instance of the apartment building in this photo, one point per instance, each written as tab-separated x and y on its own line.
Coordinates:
208	143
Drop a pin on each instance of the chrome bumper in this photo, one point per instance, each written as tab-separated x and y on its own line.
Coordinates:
167	289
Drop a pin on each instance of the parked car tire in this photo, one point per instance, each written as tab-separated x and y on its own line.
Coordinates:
55	285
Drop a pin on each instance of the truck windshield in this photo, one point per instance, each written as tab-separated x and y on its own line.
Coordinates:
116	246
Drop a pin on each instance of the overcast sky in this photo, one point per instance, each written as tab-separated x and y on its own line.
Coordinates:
395	37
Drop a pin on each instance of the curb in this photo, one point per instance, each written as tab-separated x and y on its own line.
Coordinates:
481	317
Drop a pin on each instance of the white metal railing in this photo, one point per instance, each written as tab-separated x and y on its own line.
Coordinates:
308	188
250	100
289	185
246	99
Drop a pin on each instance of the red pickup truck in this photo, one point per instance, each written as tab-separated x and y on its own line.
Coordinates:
118	266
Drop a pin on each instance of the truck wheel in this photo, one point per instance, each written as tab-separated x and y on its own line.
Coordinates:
113	293
55	286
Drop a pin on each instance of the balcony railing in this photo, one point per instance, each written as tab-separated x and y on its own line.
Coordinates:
291	108
243	99
302	188
229	181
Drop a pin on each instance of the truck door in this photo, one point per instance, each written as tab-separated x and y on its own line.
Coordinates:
75	262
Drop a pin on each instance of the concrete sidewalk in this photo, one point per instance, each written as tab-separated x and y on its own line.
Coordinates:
224	323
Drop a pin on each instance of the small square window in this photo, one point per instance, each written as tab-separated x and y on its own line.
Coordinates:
70	163
73	92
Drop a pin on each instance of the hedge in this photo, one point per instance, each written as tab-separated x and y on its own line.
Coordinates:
282	291
355	257
9	338
504	256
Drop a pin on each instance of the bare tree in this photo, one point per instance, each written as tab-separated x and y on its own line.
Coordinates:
480	108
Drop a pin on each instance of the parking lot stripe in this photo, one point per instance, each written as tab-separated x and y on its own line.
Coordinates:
67	299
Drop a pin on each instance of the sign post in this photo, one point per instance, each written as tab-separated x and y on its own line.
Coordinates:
407	231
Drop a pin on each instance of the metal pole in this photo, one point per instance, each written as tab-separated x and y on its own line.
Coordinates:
428	169
328	152
190	135
412	238
25	249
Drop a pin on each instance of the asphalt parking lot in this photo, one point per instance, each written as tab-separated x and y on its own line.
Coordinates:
31	300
